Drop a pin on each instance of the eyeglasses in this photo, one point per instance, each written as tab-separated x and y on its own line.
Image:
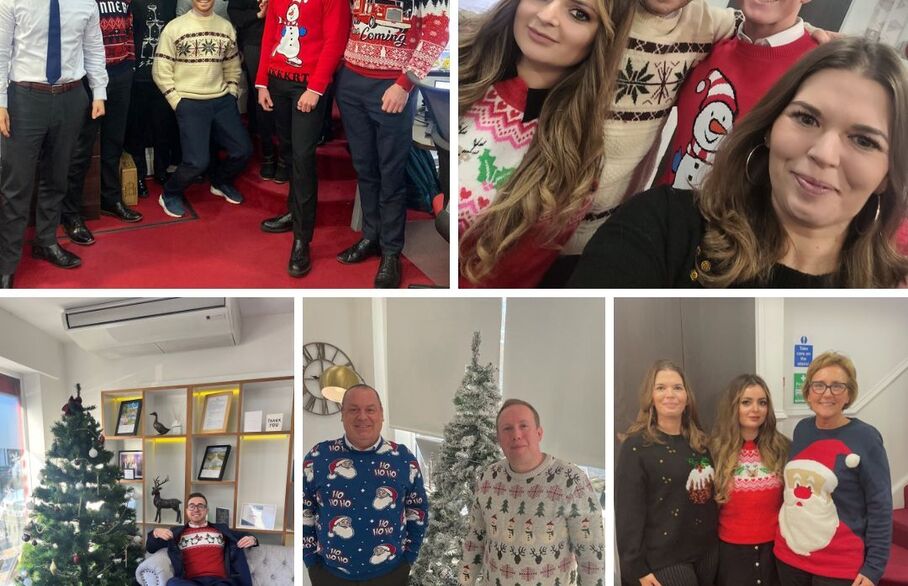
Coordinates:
196	507
819	388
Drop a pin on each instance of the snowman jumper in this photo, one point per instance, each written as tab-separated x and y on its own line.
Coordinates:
849	465
665	514
717	93
364	512
748	522
538	527
494	137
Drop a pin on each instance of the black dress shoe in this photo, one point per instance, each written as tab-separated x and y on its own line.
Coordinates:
77	231
141	187
277	224
359	252
56	256
300	263
388	275
121	212
6	281
266	171
281	173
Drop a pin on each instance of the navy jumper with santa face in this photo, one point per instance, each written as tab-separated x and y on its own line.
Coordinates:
836	520
364	512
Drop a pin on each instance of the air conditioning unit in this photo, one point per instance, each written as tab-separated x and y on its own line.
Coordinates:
135	327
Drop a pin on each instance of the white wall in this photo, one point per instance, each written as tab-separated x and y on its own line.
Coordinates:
346	323
266	349
873	333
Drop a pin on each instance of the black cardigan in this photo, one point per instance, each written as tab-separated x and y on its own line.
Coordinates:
653	241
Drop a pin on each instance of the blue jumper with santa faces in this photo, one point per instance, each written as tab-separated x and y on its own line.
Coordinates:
364	512
836	520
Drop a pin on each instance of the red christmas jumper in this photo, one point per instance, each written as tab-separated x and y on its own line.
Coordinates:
751	514
203	552
303	41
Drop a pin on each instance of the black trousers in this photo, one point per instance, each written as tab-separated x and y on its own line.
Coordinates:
260	121
379	145
298	133
747	565
702	572
200	121
400	576
151	122
790	576
43	132
113	131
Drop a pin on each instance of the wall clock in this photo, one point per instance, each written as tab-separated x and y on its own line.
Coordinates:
317	358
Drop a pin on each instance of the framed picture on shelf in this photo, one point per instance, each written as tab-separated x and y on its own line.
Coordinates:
128	417
132	464
258	516
222	515
214	463
216	412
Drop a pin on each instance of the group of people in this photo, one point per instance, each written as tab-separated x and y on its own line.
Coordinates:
746	505
366	511
166	74
785	169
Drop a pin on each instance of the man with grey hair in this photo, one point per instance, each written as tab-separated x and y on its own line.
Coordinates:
535	519
365	509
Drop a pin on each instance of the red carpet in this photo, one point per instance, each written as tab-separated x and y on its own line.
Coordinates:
897	569
220	245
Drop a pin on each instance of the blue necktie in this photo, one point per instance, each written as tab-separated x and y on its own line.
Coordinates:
53	43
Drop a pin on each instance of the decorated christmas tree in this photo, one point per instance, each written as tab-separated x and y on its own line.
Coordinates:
82	530
469	446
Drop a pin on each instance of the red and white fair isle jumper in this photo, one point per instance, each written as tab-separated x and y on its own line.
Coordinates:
203	552
751	514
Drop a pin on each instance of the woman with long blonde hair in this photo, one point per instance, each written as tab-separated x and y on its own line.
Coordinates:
665	514
749	455
536	77
807	191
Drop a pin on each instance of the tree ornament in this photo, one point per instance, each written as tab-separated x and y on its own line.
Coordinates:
92	453
26	537
27	582
53	567
74	405
76	558
103	439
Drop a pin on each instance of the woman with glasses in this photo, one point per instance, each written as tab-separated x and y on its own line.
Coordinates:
749	454
664	509
835	526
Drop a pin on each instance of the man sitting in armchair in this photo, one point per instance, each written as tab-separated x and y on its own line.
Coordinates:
203	553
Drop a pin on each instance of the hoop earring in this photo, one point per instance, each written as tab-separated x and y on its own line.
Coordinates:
876	216
747	162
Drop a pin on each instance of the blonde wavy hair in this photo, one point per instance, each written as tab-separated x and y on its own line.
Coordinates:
726	439
556	178
647	420
744	239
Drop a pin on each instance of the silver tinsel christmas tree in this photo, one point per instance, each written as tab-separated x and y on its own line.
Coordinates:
469	446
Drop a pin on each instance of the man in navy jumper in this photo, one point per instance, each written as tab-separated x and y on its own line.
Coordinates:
203	553
365	509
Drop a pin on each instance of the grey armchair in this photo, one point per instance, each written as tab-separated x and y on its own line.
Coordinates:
268	564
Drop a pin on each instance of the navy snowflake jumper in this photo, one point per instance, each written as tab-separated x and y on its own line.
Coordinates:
364	512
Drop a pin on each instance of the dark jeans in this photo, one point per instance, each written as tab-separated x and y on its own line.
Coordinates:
152	123
200	582
43	133
262	122
199	121
113	130
744	565
298	133
400	576
790	576
380	145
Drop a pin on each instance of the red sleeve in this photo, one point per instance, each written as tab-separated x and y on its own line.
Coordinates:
268	43
337	23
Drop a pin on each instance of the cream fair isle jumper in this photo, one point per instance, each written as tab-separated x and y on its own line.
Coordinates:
660	53
196	58
540	527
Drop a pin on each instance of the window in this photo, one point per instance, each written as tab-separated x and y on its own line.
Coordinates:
14	490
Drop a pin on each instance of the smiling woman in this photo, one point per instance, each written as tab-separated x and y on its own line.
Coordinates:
807	191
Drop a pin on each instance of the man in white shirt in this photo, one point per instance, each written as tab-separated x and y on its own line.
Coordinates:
46	48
